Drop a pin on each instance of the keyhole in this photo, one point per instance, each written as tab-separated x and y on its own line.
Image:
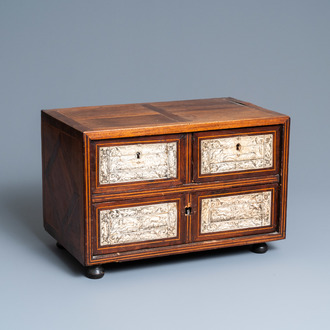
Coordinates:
138	155
188	211
238	147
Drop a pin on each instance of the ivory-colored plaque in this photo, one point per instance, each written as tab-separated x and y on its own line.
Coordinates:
138	223
238	153
236	212
137	162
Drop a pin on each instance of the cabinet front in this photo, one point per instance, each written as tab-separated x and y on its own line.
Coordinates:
137	224
118	165
232	154
234	212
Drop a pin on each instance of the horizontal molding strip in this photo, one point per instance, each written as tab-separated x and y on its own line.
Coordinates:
185	248
191	187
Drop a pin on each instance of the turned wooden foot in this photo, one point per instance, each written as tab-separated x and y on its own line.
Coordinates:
61	247
94	272
259	248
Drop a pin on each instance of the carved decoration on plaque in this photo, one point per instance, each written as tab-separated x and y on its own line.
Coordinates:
138	223
236	212
137	162
238	153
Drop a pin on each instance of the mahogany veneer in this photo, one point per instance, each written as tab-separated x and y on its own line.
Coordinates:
125	182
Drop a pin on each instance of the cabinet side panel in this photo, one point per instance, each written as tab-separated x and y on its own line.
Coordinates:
63	190
284	177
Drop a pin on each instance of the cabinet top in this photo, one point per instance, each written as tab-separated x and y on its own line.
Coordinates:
127	120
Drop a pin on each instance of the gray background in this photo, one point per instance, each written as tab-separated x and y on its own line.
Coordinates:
76	53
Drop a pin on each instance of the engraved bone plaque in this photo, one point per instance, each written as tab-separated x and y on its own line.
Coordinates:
137	162
138	223
239	153
236	212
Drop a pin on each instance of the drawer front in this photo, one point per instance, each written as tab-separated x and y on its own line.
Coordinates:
130	225
247	152
238	153
124	164
138	162
235	213
138	223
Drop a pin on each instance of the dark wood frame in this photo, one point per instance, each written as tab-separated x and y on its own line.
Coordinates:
181	225
97	188
196	202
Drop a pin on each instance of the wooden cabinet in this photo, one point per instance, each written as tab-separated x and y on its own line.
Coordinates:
134	181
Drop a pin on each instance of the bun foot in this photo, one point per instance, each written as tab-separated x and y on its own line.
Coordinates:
61	247
94	272
259	248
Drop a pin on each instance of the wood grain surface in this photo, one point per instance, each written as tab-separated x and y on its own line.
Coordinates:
128	120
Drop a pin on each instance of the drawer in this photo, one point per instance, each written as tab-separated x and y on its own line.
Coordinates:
231	154
234	212
139	223
132	164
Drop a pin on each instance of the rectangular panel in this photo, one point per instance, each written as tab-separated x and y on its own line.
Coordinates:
137	162
238	153
236	212
134	164
139	223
